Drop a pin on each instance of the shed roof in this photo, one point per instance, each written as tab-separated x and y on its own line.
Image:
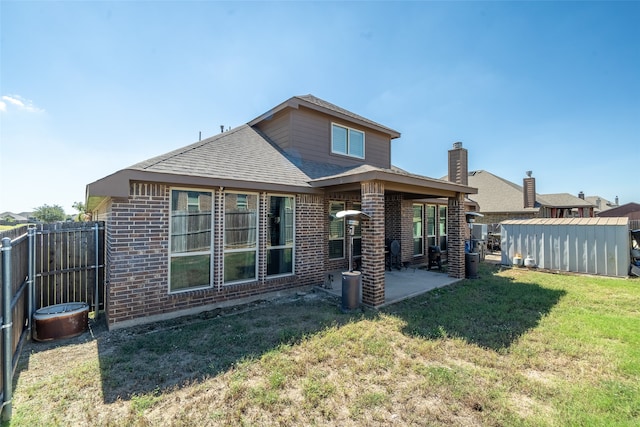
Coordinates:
621	221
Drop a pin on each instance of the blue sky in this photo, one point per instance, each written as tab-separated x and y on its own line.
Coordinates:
89	88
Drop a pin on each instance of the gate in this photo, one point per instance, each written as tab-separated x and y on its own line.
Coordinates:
41	266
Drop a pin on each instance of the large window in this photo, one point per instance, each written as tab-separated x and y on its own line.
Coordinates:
417	230
347	141
240	237
336	231
431	225
281	232
190	240
442	220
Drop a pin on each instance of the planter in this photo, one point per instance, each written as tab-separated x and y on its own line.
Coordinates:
517	261
60	321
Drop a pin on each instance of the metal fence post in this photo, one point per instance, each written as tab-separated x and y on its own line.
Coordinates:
31	290
97	264
6	330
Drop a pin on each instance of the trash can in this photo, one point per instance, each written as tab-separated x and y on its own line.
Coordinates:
471	261
350	290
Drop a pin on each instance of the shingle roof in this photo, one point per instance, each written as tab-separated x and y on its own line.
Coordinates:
332	107
496	194
239	154
563	200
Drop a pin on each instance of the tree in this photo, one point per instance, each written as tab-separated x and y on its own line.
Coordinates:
46	213
82	211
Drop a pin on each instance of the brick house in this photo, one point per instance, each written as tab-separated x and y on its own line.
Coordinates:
251	212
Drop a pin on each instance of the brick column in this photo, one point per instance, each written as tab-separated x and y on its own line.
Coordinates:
455	236
372	193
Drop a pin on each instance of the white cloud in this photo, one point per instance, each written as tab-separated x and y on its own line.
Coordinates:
20	103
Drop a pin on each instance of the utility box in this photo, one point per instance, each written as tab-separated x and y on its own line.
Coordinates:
479	232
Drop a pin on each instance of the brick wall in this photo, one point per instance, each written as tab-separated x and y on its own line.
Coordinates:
456	225
373	233
138	255
311	243
393	217
406	242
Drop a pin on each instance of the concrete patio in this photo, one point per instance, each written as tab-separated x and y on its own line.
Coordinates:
399	284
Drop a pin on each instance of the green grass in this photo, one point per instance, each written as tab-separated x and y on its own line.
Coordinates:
515	347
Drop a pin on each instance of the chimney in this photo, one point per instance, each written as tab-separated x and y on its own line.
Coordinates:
529	191
458	164
616	200
581	195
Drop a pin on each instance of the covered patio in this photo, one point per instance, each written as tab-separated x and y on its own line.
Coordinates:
399	284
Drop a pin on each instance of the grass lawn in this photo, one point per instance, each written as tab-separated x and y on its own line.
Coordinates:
513	348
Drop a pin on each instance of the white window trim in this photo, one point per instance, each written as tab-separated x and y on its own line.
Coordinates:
224	232
185	254
422	216
293	244
435	225
348	154
446	226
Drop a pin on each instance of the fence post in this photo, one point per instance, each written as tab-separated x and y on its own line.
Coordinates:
97	264
6	330
31	279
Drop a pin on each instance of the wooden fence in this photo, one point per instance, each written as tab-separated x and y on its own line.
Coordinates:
41	266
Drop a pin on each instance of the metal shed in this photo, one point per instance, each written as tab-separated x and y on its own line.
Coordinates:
581	245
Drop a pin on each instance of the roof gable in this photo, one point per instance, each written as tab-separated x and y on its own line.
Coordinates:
315	103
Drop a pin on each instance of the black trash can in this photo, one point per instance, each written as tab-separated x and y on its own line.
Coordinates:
350	290
471	261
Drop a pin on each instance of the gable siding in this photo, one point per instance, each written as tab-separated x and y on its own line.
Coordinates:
277	129
311	140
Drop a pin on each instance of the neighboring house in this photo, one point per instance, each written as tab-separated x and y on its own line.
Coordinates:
601	204
12	218
500	199
252	211
630	210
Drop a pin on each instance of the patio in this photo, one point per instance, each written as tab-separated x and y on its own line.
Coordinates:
399	284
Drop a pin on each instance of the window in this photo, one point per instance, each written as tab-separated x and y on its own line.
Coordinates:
431	225
347	141
336	231
190	240
417	230
280	232
357	235
240	237
442	218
